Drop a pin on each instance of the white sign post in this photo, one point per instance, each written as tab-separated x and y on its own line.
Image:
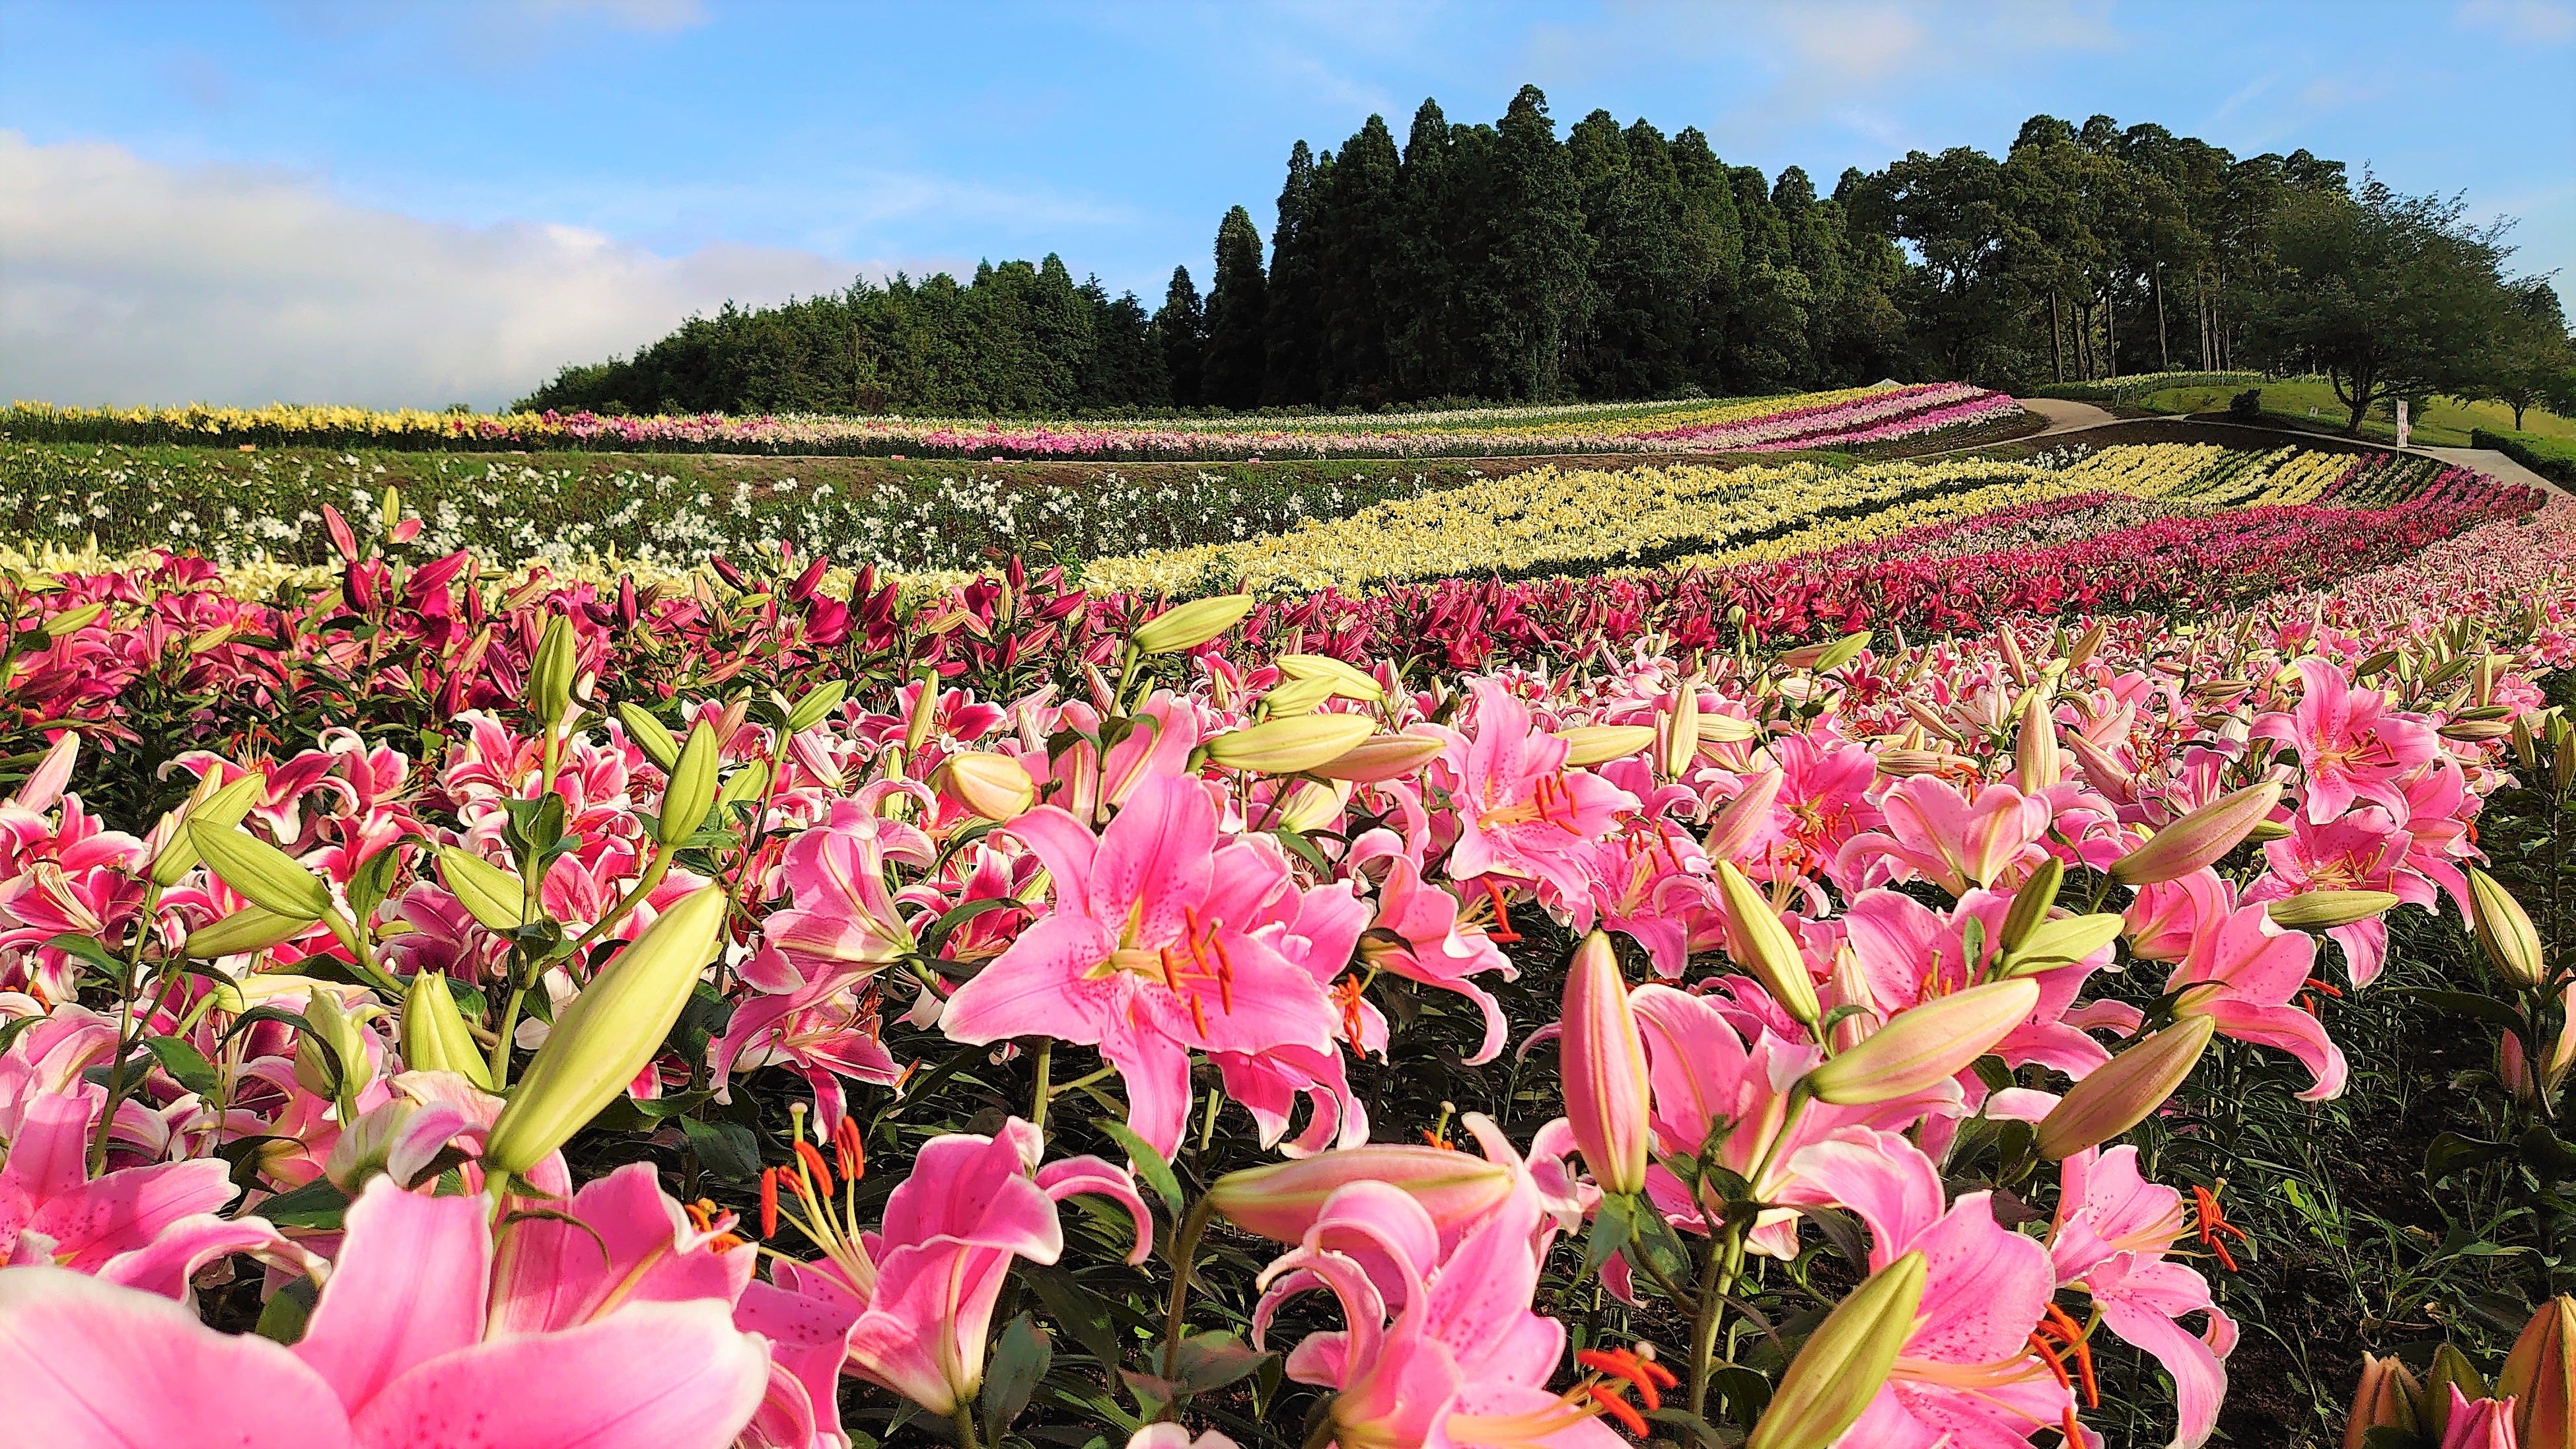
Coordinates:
2401	422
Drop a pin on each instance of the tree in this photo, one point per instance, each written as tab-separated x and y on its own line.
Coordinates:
1293	344
1359	227
1237	317
2388	295
1180	333
2533	363
1523	276
1421	323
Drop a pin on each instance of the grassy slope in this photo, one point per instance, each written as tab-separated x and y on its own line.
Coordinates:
2445	424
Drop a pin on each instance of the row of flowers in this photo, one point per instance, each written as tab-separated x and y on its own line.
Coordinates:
1848	416
432	1032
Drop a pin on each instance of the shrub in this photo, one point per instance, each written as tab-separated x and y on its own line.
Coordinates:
2551	458
2246	404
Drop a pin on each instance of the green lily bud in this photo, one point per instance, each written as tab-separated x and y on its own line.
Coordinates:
1927	1045
610	1032
744	786
816	704
693	787
252	928
215	807
1295	697
2030	904
1681	730
2036	758
1844	1362
1349	680
1190	625
650	735
2061	942
2504	931
495	898
1379	758
329	1055
262	873
2122	1091
2540	1377
2451	1369
995	787
2325	910
1289	746
1772	952
2389	1398
1599	744
550	672
434	1037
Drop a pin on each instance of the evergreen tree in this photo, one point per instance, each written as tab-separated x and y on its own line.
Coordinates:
1716	228
1524	287
1357	227
1294	327
1649	264
1421	323
1237	317
1180	333
1125	368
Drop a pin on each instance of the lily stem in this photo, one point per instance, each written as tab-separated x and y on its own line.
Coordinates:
1185	1252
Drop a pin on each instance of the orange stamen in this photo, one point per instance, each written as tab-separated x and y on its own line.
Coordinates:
1502	930
1617	1408
816	1170
852	1152
769	1202
2214	1226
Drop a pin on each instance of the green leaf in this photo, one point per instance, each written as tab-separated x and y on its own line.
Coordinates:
1149	1163
283	1316
1610	1228
726	1149
1019	1361
317	1204
90	953
937	935
1083	1313
185	1064
2468	1003
1212	1358
2451	1153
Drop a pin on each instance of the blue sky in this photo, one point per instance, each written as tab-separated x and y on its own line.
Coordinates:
425	202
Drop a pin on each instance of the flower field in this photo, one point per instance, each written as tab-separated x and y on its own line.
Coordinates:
1848	418
1789	955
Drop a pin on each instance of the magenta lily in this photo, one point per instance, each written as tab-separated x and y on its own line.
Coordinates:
1152	950
1958	840
2350	743
2113	1238
2244	972
395	1356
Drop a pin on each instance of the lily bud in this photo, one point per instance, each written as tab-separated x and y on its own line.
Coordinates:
995	787
2036	757
496	899
327	1056
216	808
650	735
1770	952
1681	730
2091	640
1603	1064
817	703
1600	744
1826	658
550	673
2062	942
1289	746
1925	1046
2198	838
263	874
1381	758
2451	1370
1308	805
692	791
1844	1362
2031	904
249	929
2389	1398
1731	834
1282	1200
743	786
2504	931
2540	1377
2325	910
434	1037
612	1031
1348	680
1190	625
1294	697
2121	1092
72	621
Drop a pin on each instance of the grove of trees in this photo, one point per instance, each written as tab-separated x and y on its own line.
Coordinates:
1501	262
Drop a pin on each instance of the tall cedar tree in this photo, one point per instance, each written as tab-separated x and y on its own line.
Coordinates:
1180	332
1525	288
1422	323
1358	230
1294	345
1237	317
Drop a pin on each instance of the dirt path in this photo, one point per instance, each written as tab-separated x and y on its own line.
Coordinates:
2064	416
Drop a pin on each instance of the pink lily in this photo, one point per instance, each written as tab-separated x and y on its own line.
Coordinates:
908	1307
2479	1423
1441	1347
2350	743
1417	935
1969	1377
1521	812
2366	851
2244	972
1152	950
828	1029
2112	1236
397	1355
1957	840
1905	953
844	922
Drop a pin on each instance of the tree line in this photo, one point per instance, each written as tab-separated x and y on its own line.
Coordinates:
1501	262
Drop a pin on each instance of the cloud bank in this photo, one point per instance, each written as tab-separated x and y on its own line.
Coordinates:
126	281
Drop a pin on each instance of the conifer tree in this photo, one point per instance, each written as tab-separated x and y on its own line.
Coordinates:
1237	317
1422	315
1357	230
1180	334
1292	352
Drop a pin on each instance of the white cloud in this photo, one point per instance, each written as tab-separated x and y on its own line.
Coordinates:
2538	21
126	281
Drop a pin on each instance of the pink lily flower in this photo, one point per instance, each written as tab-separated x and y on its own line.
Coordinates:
1957	840
2112	1237
1441	1347
1155	947
1970	1374
845	922
1418	935
908	1307
2350	743
1521	812
827	1029
398	1354
2365	851
149	1227
2248	971
1904	953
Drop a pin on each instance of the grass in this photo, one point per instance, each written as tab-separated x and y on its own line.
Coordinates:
2445	424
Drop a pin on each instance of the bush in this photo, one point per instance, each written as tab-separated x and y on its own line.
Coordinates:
2551	458
2131	389
2246	404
